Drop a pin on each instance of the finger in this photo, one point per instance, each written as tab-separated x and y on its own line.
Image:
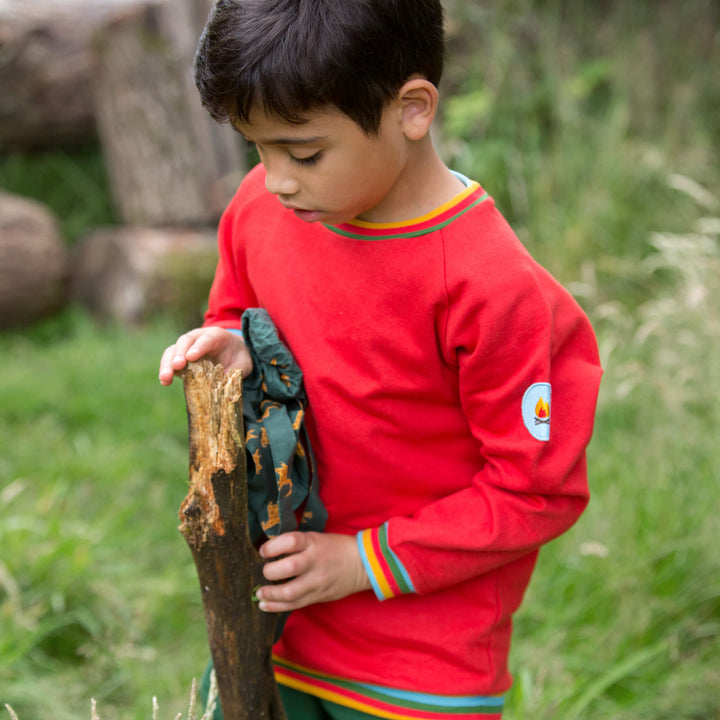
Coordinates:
166	372
290	566
245	364
291	595
183	345
173	359
214	342
285	544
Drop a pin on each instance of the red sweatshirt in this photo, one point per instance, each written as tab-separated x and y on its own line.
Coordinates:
452	386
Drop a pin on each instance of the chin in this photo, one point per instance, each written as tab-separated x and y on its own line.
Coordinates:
336	218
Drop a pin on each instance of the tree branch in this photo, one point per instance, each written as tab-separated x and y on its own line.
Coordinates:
214	523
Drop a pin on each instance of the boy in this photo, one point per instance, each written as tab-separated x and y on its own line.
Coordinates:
451	381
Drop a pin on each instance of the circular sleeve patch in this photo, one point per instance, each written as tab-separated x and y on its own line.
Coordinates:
536	410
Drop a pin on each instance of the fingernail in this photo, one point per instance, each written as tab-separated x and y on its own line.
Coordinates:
262	606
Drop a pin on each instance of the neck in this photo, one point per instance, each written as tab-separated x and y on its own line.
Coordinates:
424	184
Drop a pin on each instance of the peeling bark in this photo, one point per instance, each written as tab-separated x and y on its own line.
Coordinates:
214	523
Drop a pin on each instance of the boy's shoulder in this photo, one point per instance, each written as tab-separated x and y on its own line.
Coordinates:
482	237
251	187
250	210
485	262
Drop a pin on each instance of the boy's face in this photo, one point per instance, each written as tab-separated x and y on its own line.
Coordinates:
327	169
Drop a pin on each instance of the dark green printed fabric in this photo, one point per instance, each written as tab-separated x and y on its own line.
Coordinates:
280	468
281	475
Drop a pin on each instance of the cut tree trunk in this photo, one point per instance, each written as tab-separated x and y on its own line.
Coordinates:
214	523
46	67
33	262
131	274
169	162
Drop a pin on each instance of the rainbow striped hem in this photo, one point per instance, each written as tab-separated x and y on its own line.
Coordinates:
384	702
387	574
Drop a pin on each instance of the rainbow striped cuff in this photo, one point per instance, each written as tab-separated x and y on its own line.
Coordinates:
387	574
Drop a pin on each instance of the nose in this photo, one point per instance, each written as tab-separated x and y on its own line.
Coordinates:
278	179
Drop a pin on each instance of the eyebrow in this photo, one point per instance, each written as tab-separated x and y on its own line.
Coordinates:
289	141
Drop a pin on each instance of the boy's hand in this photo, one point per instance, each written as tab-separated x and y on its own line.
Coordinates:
318	567
217	344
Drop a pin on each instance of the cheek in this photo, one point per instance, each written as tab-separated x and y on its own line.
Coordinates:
361	189
373	173
344	184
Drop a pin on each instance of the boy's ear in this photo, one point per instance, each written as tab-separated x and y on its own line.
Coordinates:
418	100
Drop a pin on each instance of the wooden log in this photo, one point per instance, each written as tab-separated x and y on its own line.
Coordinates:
214	523
33	262
46	67
168	162
130	274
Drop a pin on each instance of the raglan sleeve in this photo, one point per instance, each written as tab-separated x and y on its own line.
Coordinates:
528	371
231	291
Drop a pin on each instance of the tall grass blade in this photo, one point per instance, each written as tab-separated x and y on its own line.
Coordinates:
614	675
212	698
192	715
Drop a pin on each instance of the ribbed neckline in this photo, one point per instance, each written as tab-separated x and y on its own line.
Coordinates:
434	220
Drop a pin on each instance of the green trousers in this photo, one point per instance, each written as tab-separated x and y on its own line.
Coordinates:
298	705
301	706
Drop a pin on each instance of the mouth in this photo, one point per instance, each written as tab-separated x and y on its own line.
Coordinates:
305	215
302	213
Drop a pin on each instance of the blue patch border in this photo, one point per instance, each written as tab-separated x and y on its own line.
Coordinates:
540	431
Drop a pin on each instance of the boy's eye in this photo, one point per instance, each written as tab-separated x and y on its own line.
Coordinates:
306	161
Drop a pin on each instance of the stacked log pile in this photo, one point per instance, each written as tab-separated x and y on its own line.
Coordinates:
120	70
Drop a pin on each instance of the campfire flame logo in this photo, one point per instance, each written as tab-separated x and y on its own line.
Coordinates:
536	410
542	412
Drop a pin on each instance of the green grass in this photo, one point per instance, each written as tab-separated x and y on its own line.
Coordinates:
623	618
98	596
595	128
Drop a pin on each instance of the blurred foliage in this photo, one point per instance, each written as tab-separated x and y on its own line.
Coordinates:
71	181
573	114
596	128
622	619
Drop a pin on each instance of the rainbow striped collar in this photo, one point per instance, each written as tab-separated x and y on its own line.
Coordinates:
440	217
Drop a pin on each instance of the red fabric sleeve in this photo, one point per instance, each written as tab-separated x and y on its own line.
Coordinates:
525	330
231	292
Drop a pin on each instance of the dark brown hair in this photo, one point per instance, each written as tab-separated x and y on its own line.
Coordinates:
292	56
